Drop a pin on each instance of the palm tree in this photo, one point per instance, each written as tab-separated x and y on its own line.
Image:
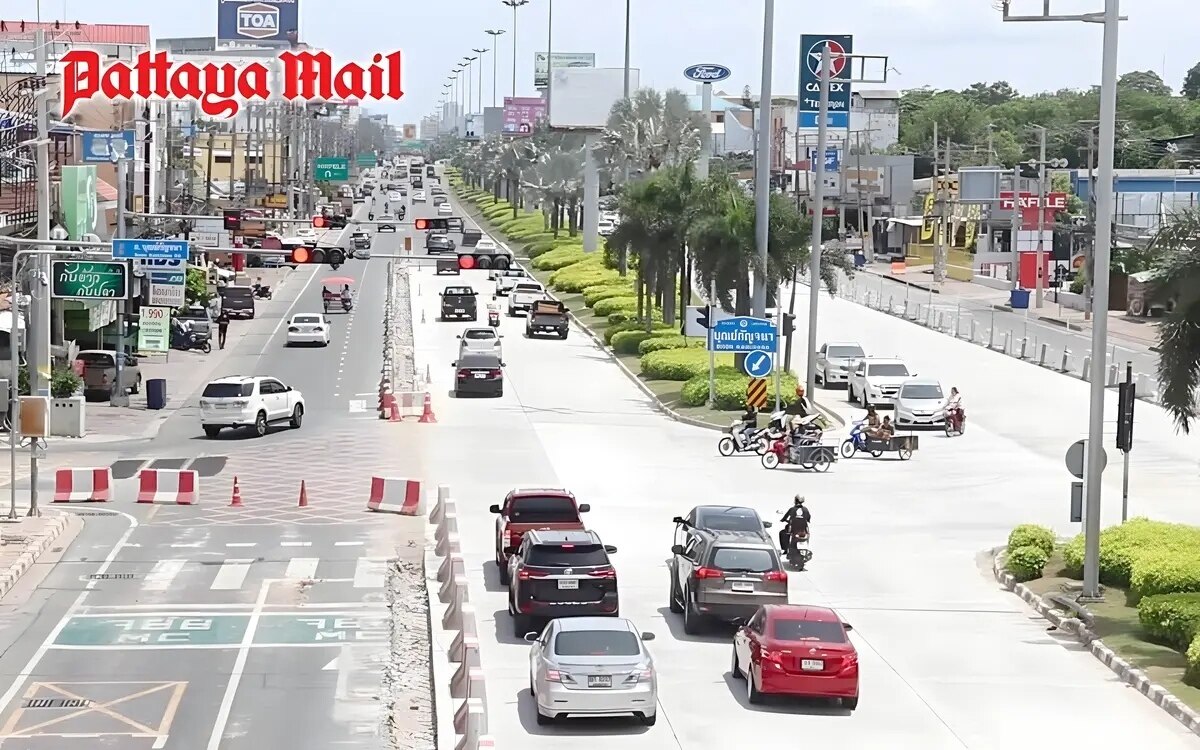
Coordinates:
1177	282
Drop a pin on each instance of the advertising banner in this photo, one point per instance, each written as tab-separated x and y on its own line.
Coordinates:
167	288
541	65
99	146
154	329
811	47
1055	202
522	113
77	193
410	131
261	21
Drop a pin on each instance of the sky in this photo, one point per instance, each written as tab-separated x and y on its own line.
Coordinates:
938	43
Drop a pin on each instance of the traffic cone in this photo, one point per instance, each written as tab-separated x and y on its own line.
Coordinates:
394	416
236	500
427	416
303	495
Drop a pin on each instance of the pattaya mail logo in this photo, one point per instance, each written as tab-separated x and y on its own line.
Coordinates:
220	89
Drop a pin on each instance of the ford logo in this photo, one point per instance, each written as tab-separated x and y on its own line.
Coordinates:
707	73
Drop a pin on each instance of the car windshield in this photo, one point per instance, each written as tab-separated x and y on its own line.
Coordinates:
733	519
307	319
95	358
566	555
743	559
845	352
808	630
597	643
228	390
458	291
922	392
479	334
236	292
543	509
888	371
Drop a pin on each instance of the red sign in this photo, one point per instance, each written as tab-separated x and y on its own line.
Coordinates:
1055	202
220	89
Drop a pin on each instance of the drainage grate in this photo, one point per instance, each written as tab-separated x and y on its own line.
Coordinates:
57	703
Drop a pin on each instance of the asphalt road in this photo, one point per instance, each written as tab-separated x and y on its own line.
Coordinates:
949	660
208	627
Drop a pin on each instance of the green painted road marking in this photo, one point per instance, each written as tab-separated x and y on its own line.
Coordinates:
153	631
329	627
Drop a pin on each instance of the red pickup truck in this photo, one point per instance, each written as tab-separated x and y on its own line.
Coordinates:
528	509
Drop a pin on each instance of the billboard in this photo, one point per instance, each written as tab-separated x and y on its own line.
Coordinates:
98	145
811	47
584	97
541	68
257	21
522	114
77	194
410	131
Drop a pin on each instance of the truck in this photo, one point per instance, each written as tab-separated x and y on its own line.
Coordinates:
547	316
100	373
459	302
507	279
523	295
527	509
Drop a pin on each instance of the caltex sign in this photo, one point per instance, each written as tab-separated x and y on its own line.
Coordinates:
811	49
270	21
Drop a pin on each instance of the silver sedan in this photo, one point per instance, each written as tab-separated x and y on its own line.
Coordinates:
592	666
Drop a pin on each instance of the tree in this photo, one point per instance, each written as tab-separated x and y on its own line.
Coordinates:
990	94
1191	83
196	287
1146	81
1177	282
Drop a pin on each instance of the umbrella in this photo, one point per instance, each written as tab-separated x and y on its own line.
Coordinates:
336	280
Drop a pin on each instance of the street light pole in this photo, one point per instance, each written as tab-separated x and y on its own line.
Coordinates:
762	167
627	11
514	4
549	57
818	220
479	91
493	33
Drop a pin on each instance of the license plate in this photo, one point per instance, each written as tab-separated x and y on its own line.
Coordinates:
480	375
568	584
812	665
599	680
457	310
743	586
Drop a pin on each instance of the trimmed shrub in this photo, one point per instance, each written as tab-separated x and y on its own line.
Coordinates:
597	292
627	342
559	258
1171	619
1174	572
1122	546
730	388
631	325
663	343
679	364
1027	562
572	283
606	307
622	316
1028	534
534	250
1191	675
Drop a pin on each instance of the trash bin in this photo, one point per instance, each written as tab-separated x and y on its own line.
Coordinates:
1018	299
156	393
860	260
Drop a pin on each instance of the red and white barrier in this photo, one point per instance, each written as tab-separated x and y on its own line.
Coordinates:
410	403
168	486
393	495
83	485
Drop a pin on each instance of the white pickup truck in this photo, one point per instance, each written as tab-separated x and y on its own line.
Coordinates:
507	279
876	381
523	295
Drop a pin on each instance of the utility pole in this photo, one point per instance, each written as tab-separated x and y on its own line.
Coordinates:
762	162
1015	264
514	4
1091	214
818	219
120	158
38	330
549	57
1039	282
479	88
939	251
493	33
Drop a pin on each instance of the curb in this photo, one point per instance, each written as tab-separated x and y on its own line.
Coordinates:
1124	671
30	555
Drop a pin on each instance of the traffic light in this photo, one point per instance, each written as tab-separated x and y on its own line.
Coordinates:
303	256
441	225
321	221
233	219
1126	398
703	316
788	324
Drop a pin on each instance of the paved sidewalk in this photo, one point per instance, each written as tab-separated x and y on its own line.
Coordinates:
22	543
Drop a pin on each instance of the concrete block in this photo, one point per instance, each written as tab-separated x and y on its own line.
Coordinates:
452	618
448	545
451	566
470	723
454	585
449	525
467	651
467	682
439	509
470	629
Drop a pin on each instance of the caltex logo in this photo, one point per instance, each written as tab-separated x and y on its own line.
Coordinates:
258	21
836	52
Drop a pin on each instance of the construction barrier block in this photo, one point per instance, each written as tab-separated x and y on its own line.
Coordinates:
392	495
168	486
83	485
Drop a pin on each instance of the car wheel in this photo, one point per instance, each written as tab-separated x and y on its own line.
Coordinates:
850	703
753	696
543	719
673	597
297	417
648	721
862	399
735	669
260	424
211	431
691	620
137	385
819	376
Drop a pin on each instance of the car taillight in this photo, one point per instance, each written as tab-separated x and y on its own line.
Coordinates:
708	573
604	573
293	329
318	329
772	656
639	675
553	675
525	575
506	539
463	373
240	402
495	373
776	576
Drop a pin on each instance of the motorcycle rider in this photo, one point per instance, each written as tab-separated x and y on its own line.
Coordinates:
749	422
347	297
798	516
798	409
954	408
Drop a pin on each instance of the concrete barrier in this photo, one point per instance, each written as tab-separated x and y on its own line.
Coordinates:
470	629
470	723
452	618
486	742
439	509
83	485
449	525
455	585
448	546
467	682
168	486
451	565
464	649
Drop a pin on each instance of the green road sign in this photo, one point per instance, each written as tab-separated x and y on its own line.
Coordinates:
331	169
89	279
153	631
365	160
321	627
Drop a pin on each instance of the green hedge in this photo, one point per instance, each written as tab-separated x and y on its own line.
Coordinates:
1026	562
679	364
598	292
1123	546
559	258
627	342
663	343
624	316
1171	619
632	325
1029	534
730	387
606	307
1174	572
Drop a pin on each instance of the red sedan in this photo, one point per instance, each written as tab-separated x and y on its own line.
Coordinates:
796	649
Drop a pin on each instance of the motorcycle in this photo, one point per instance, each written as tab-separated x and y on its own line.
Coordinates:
798	552
347	304
494	318
743	438
370	216
191	340
857	441
262	292
801	448
956	421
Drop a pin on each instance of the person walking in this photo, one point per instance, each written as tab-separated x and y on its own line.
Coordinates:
222	328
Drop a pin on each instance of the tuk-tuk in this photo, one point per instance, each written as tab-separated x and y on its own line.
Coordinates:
337	291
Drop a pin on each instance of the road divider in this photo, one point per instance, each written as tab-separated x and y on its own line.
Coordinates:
168	486
396	495
83	485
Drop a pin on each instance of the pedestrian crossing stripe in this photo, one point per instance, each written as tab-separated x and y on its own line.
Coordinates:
756	393
231	575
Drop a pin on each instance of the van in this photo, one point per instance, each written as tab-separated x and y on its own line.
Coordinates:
237	301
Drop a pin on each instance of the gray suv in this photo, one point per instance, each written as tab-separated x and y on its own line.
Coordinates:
724	576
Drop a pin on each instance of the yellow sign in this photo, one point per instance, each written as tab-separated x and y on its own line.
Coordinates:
756	393
275	200
928	226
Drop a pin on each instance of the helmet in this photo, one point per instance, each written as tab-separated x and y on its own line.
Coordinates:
798	500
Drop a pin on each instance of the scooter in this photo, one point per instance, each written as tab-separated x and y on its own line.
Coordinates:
743	438
802	448
347	305
956	422
857	441
262	292
191	340
798	552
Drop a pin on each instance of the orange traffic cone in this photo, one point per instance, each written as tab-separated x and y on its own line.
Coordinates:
394	415
236	500
427	416
303	495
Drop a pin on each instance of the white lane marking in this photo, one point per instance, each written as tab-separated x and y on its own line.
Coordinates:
231	576
347	544
160	742
189	545
369	572
288	315
163	573
358	407
302	567
239	666
241	544
295	544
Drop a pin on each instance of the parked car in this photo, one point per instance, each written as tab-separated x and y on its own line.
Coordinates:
100	373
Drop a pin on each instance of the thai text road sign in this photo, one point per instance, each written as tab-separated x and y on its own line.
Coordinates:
756	393
331	169
98	146
811	46
105	279
742	334
141	249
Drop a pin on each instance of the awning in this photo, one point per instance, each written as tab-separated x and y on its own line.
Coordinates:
105	192
908	222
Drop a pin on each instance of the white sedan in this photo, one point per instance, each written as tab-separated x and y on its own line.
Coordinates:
485	245
308	328
444	209
418	196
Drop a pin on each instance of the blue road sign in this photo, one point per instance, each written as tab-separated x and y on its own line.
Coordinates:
811	46
98	146
758	364
833	163
742	335
146	249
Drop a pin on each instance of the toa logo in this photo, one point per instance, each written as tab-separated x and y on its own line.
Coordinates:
707	73
258	21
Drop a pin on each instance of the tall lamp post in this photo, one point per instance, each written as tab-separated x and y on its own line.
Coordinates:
514	4
493	33
1101	263
467	108
762	162
479	80
442	107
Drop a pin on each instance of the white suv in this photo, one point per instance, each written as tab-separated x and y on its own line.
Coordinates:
249	401
876	381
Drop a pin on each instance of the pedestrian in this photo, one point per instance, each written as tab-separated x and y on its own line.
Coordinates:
222	327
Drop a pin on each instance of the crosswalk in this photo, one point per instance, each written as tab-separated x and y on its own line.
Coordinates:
233	574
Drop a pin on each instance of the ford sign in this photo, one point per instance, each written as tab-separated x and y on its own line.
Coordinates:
707	73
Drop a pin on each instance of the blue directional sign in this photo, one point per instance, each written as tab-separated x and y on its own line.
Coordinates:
742	335
833	164
99	146
758	364
811	47
147	249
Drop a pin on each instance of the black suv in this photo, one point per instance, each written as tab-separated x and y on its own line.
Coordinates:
560	574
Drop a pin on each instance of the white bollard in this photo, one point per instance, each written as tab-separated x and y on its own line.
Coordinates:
1085	372
1142	385
1004	343
449	546
1024	348
974	326
470	723
1066	361
991	344
928	312
451	565
1043	354
890	306
904	312
452	617
939	321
